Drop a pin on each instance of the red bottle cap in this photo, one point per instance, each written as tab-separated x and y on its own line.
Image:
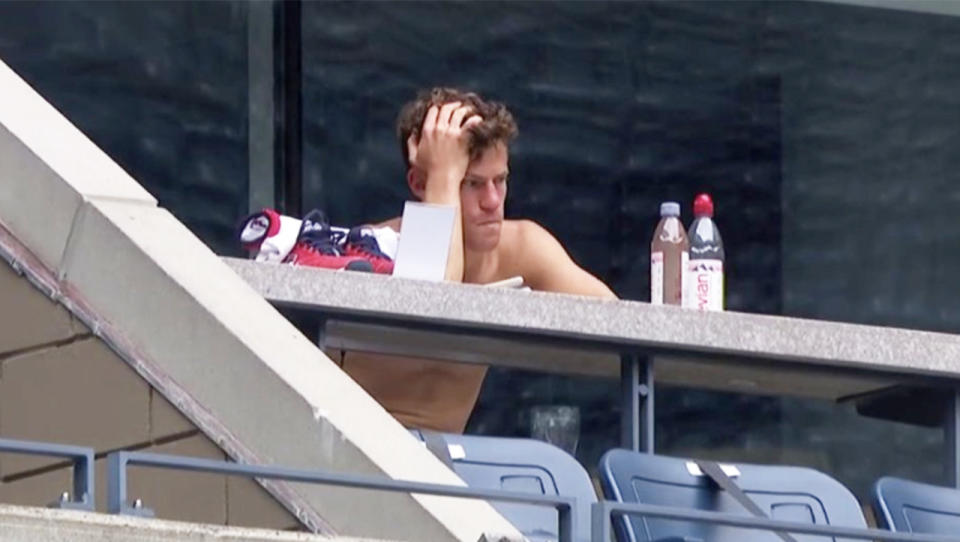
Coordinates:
703	206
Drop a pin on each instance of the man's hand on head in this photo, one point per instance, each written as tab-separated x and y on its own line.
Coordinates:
441	151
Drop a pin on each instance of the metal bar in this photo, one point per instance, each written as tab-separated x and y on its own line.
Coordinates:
288	103
637	412
951	438
117	487
322	333
600	529
116	482
261	129
83	496
83	457
117	463
630	402
605	509
566	522
647	422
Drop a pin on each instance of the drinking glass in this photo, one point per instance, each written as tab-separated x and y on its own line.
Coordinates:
557	424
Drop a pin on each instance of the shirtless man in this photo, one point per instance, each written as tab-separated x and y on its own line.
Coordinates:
456	147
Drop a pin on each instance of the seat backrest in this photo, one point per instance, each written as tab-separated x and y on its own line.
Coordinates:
785	493
912	507
524	465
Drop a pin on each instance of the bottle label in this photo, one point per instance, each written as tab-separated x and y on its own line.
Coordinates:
684	275
704	288
656	278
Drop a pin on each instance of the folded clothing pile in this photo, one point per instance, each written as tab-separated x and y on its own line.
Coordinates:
313	242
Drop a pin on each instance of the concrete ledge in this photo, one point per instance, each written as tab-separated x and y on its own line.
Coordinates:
589	322
27	524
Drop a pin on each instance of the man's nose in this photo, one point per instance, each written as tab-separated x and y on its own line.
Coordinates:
490	199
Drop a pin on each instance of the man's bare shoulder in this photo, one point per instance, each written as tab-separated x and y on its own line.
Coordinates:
524	243
536	255
522	228
517	234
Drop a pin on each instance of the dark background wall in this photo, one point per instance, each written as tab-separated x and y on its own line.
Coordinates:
161	86
826	133
871	179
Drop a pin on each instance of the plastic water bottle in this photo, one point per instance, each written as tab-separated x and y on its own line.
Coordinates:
669	252
704	287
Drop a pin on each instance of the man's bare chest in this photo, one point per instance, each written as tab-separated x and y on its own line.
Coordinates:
505	268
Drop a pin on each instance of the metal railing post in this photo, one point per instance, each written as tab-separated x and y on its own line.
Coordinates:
951	438
83	482
637	412
600	528
647	413
83	497
117	487
567	521
630	402
116	482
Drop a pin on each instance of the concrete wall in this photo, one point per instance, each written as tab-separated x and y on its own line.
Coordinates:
59	383
22	524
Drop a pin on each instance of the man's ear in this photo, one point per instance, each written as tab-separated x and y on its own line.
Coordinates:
417	182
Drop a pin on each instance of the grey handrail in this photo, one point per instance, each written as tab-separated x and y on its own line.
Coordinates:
603	510
117	463
83	457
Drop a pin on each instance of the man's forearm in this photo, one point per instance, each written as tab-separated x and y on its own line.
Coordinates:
455	257
440	191
441	152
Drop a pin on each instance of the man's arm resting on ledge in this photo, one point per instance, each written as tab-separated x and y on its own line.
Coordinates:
548	267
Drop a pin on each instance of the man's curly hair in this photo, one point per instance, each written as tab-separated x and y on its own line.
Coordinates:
497	126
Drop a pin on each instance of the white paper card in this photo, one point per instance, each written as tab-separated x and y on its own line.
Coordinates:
425	234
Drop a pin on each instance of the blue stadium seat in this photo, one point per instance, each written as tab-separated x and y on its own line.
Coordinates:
784	493
913	507
524	465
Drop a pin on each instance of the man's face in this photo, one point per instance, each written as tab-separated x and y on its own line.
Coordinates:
482	195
